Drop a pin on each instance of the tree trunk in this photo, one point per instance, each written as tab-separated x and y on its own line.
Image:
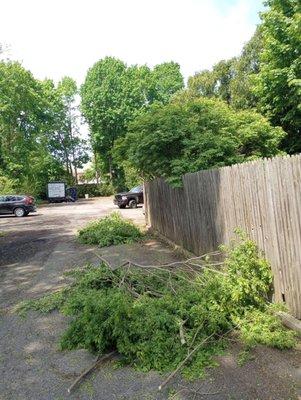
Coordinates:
96	168
75	174
110	168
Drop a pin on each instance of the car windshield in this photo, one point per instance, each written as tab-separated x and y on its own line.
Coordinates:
136	189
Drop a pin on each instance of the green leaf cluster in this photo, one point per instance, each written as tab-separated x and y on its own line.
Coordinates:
192	133
6	185
141	311
113	94
232	80
267	74
278	84
110	230
38	142
249	275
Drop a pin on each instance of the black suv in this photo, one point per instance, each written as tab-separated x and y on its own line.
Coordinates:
131	198
17	204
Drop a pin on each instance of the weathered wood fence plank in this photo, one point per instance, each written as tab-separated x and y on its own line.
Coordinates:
261	197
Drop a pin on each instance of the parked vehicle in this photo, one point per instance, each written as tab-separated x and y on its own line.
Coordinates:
131	198
20	205
57	192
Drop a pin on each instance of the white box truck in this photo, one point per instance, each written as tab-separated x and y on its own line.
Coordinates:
56	192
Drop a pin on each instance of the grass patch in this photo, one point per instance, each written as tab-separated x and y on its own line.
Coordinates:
155	317
110	230
44	305
244	357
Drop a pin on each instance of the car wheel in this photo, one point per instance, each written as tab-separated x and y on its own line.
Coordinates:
133	204
19	212
122	206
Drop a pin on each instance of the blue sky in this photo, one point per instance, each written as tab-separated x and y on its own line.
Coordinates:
255	6
54	38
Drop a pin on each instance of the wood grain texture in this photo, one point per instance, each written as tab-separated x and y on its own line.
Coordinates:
261	197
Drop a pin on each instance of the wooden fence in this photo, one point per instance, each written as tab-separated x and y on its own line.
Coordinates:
262	197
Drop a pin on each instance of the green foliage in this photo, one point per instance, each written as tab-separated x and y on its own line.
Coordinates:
38	142
190	134
246	67
249	277
215	83
132	177
45	304
140	312
110	230
232	80
165	80
7	185
63	136
262	327
23	121
244	356
278	84
267	75
113	94
94	190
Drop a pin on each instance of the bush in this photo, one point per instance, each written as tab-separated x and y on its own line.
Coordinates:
94	190
141	312
110	230
249	277
7	186
193	134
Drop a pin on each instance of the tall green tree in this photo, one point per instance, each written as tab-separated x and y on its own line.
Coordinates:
278	85
107	103
37	132
114	94
232	80
64	136
215	83
166	79
23	121
246	67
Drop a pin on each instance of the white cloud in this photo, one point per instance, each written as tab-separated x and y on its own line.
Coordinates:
54	38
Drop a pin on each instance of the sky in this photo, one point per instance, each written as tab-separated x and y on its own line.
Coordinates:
56	38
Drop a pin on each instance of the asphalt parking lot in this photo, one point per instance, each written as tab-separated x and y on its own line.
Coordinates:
35	251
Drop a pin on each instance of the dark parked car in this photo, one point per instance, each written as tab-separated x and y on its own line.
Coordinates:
17	204
131	198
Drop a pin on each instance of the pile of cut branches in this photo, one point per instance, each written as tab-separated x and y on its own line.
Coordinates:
110	230
170	316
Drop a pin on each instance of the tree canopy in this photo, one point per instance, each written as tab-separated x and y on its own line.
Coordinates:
232	80
33	115
278	84
143	122
113	94
190	134
267	75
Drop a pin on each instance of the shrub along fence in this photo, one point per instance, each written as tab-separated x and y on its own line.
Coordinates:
94	190
262	197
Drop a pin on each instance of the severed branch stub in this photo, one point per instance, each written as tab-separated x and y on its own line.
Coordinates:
98	361
190	354
184	362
